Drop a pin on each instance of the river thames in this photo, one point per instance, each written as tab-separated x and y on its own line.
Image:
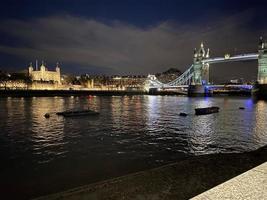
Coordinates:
41	156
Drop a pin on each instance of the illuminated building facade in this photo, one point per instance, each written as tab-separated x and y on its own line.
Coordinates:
44	74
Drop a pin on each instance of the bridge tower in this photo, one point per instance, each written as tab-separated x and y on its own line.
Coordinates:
260	88
262	62
201	70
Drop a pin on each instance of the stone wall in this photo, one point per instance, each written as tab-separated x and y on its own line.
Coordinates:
13	85
36	85
44	75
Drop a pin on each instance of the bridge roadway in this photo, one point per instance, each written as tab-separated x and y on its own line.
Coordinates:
250	56
247	87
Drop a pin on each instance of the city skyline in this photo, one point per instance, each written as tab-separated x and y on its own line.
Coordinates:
133	99
128	37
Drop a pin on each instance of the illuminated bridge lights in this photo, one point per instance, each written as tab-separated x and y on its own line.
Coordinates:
198	72
185	78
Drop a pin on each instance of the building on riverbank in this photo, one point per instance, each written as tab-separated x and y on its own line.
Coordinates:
44	75
40	78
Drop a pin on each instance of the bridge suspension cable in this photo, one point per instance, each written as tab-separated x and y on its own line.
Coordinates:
183	79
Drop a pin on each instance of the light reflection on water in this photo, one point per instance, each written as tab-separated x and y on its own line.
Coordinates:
131	133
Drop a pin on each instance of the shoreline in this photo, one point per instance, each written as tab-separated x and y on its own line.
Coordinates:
179	180
67	93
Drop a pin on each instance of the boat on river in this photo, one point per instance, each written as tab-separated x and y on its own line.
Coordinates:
207	110
74	113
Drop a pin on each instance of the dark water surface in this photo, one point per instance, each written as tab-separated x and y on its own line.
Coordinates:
41	156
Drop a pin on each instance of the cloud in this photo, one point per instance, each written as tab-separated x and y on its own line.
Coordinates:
121	48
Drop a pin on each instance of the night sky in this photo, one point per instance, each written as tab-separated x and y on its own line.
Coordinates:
130	36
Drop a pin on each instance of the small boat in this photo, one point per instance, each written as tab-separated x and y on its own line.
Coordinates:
183	114
77	113
207	110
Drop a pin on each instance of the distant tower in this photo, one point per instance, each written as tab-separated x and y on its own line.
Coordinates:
208	53
30	69
58	78
261	43
202	51
57	67
195	52
42	68
262	62
36	65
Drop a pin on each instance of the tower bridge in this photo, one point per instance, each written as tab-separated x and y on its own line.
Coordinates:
196	77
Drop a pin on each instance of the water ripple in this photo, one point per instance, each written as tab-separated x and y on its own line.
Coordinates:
137	127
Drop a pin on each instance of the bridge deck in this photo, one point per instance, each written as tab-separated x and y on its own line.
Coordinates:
252	56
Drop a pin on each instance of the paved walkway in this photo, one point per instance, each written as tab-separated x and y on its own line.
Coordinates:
249	185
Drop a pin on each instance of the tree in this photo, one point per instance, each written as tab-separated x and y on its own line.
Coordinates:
20	76
71	79
3	78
